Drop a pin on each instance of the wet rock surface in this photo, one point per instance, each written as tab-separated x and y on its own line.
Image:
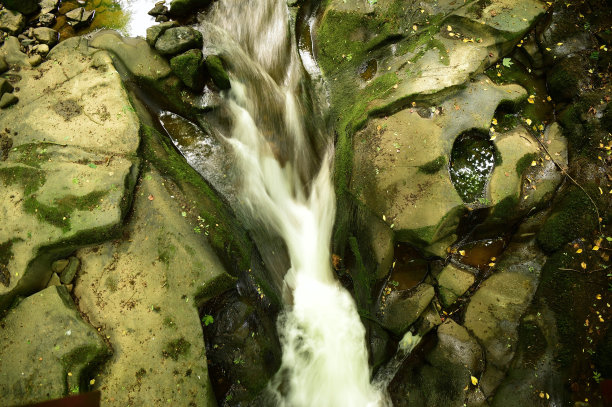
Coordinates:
48	351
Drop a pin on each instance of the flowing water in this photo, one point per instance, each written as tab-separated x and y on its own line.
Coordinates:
283	161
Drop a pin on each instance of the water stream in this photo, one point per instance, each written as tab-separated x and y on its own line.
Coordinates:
283	160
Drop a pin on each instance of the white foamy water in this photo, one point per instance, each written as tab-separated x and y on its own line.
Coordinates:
285	181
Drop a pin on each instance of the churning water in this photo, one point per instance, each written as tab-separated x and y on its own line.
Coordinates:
283	161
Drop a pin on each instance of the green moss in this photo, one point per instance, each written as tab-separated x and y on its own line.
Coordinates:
434	165
176	348
188	67
525	162
217	72
165	251
227	237
361	279
341	43
572	217
32	154
505	208
31	179
59	214
212	288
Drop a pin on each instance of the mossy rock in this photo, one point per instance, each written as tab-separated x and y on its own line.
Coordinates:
217	72
188	66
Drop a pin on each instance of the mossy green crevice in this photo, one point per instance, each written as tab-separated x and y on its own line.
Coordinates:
82	363
227	237
361	279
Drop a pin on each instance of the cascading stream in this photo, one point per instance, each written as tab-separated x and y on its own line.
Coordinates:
285	186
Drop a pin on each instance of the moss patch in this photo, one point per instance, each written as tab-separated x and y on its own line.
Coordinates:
525	162
31	179
59	214
573	216
434	165
176	348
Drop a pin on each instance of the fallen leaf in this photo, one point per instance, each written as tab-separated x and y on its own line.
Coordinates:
151	197
474	380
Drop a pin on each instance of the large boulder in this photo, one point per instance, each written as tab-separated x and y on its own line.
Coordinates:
12	22
151	317
47	351
69	176
175	40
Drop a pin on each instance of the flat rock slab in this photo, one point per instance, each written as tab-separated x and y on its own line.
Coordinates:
144	292
47	350
68	178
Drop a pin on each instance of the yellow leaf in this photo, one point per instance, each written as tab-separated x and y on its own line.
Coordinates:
598	296
462	252
414	27
494	121
548	98
534	163
449	28
92	381
528	121
583	265
559	43
474	380
579	251
595	248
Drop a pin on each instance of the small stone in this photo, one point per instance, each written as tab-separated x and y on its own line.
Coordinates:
59	265
161	19
79	17
42	49
35	60
49	4
178	39
46	19
70	271
46	35
155	31
217	72
12	22
159	9
8	99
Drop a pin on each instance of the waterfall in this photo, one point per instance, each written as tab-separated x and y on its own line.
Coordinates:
283	161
